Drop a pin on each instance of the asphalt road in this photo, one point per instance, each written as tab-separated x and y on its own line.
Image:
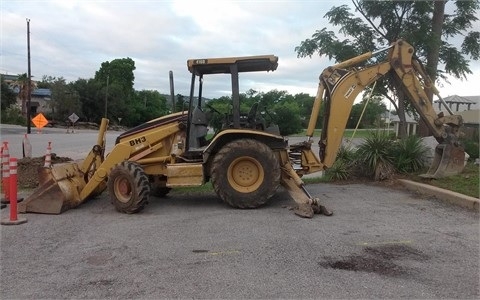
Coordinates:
381	243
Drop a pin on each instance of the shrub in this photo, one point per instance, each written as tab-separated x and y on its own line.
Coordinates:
409	154
343	166
340	170
471	145
375	156
13	115
346	153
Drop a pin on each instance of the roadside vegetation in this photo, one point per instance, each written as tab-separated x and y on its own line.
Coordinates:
466	183
380	157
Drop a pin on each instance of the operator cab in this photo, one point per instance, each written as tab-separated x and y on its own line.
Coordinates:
197	125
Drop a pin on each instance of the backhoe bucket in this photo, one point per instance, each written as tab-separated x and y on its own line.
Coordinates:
448	160
59	189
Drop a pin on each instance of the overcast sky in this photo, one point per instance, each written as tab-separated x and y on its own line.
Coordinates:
71	39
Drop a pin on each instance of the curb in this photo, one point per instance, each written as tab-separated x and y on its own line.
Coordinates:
442	194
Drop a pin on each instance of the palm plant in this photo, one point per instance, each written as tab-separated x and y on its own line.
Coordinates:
343	166
22	84
375	156
340	170
410	154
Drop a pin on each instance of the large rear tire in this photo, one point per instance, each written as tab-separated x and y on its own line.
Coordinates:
128	187
245	173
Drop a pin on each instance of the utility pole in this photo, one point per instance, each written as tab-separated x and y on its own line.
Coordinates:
172	93
29	81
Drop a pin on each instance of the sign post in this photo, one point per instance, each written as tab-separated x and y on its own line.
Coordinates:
73	118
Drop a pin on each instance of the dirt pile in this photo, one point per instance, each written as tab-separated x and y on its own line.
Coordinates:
27	169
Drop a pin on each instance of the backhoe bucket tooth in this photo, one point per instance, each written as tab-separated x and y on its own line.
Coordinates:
58	190
448	160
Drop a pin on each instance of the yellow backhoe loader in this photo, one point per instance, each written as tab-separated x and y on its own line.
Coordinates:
247	159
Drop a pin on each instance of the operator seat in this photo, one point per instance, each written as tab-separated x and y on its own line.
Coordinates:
199	129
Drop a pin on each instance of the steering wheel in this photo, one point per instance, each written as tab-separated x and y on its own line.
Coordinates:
213	109
252	114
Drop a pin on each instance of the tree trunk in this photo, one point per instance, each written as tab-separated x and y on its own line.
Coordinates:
433	53
24	106
402	126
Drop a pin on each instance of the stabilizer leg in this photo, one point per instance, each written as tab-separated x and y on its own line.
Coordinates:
307	206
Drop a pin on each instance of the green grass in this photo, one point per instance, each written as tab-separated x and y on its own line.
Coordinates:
203	189
466	183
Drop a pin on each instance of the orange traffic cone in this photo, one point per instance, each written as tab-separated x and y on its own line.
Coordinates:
14	219
5	173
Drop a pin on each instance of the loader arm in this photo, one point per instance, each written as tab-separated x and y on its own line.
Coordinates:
66	186
60	186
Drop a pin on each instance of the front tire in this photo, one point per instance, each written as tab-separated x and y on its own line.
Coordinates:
245	173
128	187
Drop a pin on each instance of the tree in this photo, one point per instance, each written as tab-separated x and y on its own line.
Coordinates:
67	104
144	106
22	85
8	96
180	104
222	107
59	100
305	104
370	114
91	100
118	71
422	23
116	79
287	117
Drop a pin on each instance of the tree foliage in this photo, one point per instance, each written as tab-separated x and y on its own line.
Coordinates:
116	80
387	21
144	105
290	112
109	92
22	84
118	72
7	96
64	99
92	101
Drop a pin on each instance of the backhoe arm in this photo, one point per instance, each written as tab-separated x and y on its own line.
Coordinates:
340	84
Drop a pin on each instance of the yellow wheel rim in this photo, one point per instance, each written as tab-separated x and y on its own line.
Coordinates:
245	174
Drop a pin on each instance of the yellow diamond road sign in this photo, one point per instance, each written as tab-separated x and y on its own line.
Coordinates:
40	121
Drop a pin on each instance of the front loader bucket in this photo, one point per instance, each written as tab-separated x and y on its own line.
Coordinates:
448	160
59	189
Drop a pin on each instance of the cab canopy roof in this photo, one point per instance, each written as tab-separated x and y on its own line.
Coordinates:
224	65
